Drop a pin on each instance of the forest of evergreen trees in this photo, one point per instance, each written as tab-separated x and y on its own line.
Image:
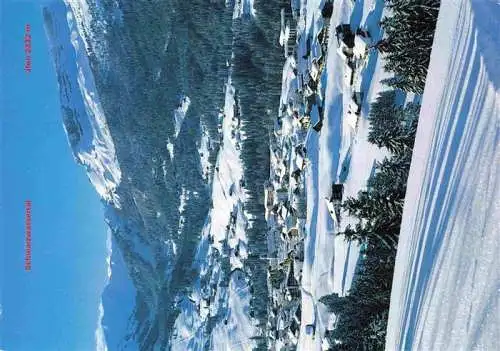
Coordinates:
409	36
257	68
362	314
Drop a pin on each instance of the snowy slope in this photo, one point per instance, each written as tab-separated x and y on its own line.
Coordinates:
243	8
446	288
180	113
224	309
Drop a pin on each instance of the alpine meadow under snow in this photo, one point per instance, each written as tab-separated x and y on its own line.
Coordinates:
295	175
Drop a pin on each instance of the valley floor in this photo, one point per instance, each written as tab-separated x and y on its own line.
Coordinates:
446	283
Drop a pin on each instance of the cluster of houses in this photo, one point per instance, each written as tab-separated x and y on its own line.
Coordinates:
301	113
285	311
353	48
285	203
284	192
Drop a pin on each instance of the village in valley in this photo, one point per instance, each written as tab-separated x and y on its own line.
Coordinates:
301	114
344	128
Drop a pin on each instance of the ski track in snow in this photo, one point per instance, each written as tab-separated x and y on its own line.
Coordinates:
446	287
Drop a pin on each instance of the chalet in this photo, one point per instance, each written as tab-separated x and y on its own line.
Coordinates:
317	127
281	212
291	283
300	205
286	177
268	195
311	329
291	220
308	48
300	83
281	195
232	189
299	252
315	71
315	113
323	38
293	233
382	46
357	100
296	174
294	330
233	217
337	192
309	102
344	35
334	201
311	86
305	122
301	150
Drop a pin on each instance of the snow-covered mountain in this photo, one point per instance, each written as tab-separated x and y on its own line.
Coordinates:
83	116
131	298
177	271
92	145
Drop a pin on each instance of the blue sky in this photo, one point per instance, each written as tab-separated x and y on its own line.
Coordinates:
53	307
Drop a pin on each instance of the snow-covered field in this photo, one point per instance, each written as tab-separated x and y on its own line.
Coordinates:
446	287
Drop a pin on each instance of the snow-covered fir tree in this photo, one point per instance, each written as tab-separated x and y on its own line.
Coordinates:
409	36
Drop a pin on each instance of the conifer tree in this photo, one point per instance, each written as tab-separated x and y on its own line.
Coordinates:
409	36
